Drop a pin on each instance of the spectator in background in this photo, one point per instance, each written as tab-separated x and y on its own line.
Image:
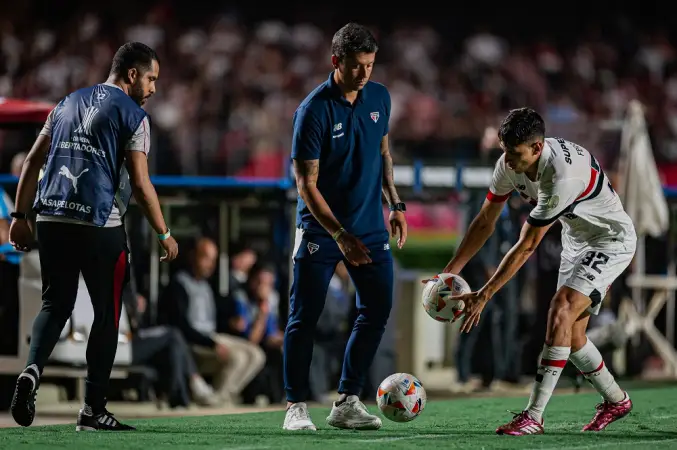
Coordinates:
230	86
10	261
189	304
252	315
164	348
242	259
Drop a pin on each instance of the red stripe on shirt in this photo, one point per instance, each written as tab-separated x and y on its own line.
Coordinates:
494	198
591	183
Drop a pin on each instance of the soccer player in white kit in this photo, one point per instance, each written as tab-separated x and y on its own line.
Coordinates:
563	181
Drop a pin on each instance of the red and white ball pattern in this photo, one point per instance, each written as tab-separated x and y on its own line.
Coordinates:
437	295
401	397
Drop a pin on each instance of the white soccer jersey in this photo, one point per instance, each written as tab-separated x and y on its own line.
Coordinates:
571	187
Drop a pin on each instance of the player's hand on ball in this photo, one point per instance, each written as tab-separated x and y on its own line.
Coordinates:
353	249
398	227
474	304
446	270
20	235
171	249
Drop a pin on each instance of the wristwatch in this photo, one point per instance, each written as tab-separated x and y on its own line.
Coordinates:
18	215
398	207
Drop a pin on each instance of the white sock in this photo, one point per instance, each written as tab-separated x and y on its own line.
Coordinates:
553	360
589	361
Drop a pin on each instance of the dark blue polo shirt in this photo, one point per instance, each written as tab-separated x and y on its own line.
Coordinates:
347	141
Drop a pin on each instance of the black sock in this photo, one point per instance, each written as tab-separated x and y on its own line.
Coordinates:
95	396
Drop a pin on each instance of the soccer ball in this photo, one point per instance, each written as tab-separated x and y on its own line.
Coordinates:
401	397
437	293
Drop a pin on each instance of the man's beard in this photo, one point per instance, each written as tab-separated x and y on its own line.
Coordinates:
136	93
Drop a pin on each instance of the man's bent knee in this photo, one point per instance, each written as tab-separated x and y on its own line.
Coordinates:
257	357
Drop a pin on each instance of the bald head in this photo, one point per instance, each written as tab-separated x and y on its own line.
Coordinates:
204	258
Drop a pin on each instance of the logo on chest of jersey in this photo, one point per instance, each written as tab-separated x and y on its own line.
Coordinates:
374	116
337	127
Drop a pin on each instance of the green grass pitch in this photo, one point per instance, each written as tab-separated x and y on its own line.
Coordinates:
454	424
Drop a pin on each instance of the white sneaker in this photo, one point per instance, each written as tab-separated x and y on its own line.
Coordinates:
353	415
203	394
298	418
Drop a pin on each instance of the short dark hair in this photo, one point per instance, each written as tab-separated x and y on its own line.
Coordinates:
521	126
133	55
351	39
260	267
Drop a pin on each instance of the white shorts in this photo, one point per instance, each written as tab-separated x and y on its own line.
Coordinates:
592	270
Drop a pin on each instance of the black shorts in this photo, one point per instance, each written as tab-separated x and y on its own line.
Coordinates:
100	254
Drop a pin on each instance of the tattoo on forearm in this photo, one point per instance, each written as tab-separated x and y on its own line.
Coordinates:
306	172
389	189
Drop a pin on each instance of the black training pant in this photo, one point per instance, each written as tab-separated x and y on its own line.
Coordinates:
102	256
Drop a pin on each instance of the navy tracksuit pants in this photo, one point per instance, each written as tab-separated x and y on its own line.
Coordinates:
315	259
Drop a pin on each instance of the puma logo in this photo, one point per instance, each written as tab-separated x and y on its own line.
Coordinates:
74	179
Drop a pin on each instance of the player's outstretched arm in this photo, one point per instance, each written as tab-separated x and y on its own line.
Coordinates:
306	173
530	237
481	228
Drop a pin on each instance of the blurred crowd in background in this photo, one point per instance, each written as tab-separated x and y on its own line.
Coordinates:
230	79
229	83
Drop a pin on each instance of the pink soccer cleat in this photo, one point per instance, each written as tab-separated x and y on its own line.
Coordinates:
607	413
521	425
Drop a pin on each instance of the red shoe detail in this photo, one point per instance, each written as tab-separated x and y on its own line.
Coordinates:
522	424
608	413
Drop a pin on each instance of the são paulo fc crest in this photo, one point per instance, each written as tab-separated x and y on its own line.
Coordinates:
374	116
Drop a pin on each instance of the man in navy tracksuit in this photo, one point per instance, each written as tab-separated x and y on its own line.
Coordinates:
94	147
343	166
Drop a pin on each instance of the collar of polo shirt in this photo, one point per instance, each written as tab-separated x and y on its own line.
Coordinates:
336	90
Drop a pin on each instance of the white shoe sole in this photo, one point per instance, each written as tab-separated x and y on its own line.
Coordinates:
304	427
353	424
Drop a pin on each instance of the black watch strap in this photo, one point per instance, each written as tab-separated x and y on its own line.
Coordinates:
18	215
398	207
